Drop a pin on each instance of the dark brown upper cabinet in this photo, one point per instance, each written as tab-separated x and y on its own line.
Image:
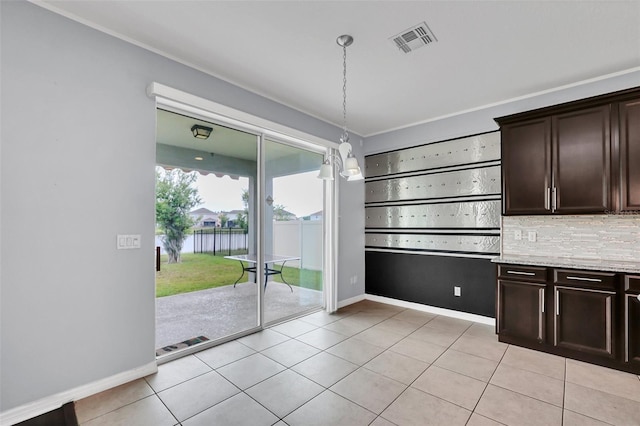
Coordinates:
629	134
581	157
526	167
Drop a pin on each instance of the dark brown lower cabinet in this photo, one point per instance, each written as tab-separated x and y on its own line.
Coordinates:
632	321
585	320
521	306
591	316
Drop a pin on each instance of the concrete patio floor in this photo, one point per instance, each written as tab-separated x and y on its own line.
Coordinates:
221	311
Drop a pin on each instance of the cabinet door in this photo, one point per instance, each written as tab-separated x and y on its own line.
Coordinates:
632	320
582	161
629	113
632	328
526	167
585	320
521	310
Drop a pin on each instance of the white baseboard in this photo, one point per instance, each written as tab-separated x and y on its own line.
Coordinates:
351	301
49	403
432	309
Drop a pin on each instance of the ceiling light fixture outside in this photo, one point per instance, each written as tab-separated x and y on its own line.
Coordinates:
201	132
347	163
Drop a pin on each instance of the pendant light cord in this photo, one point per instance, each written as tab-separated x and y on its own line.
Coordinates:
345	135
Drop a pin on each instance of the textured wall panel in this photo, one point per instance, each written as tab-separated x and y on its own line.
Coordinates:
472	214
473	149
451	243
478	181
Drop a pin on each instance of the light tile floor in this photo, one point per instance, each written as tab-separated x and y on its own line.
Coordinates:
371	364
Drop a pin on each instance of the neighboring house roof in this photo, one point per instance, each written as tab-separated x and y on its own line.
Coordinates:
202	211
319	213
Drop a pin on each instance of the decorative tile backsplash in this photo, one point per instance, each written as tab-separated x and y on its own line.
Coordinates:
601	237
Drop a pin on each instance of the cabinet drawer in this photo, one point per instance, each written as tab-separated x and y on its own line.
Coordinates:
523	273
632	283
589	279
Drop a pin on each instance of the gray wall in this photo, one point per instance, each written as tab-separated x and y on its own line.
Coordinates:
481	121
351	231
77	168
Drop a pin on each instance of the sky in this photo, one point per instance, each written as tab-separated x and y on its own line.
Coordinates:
300	194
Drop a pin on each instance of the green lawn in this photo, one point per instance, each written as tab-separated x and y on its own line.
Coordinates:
201	271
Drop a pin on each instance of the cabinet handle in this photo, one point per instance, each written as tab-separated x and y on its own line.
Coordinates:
638	297
593	280
557	303
520	273
554	199
542	301
547	197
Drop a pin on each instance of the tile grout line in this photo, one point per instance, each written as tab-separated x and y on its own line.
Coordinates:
487	386
414	380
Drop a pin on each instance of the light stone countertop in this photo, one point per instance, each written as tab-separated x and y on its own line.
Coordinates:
573	263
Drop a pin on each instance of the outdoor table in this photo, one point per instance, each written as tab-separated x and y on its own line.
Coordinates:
248	263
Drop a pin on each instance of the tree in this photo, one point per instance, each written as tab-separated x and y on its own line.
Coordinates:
280	212
241	221
175	197
243	218
223	218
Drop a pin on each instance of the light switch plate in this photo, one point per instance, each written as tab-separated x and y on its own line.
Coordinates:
128	241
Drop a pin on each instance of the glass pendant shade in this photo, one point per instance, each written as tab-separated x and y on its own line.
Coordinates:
351	167
326	171
356	177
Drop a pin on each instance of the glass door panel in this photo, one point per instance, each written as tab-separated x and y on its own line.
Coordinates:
293	231
204	291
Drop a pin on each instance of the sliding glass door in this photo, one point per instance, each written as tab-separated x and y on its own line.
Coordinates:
293	230
250	248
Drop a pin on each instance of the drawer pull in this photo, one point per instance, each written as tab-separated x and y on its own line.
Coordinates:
520	273
593	280
638	297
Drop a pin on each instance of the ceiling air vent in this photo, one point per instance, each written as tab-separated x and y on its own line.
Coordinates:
414	38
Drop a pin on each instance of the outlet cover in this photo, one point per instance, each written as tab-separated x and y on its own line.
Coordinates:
517	235
533	236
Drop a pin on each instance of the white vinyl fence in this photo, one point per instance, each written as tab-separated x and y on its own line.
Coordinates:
299	238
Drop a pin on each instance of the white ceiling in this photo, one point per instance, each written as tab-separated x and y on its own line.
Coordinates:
487	51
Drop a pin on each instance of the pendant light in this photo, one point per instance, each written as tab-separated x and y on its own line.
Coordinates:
347	163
